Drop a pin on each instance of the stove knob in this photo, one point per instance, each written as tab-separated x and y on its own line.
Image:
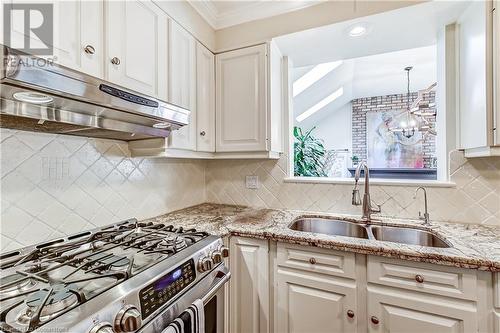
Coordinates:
216	257
103	327
128	319
224	250
205	264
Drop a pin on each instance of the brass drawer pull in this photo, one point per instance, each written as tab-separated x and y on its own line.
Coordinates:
419	278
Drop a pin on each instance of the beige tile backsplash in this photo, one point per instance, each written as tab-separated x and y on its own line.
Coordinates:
53	185
475	199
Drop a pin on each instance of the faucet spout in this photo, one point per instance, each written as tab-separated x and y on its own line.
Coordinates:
425	217
367	205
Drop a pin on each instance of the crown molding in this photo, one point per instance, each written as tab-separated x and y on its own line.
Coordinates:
247	12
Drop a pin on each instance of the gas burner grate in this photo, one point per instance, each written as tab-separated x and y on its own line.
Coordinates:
49	279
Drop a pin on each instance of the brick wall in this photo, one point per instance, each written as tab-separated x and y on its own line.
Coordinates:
361	106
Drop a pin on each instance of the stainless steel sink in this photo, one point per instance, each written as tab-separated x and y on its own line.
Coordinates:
404	235
330	227
407	236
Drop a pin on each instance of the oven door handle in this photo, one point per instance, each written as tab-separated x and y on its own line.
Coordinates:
222	278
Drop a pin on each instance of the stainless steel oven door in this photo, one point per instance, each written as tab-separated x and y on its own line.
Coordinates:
211	290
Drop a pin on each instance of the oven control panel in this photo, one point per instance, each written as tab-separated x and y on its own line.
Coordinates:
165	288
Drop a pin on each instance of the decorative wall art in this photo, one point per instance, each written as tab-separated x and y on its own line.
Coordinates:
387	149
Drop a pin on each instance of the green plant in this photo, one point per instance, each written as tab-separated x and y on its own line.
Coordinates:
309	153
355	159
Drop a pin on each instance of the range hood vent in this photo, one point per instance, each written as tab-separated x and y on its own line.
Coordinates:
36	95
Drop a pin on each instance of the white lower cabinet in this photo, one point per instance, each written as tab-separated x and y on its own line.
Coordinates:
496	301
249	285
321	290
314	303
394	310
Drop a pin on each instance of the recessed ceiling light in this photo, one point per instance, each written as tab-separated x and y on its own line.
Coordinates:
358	30
32	97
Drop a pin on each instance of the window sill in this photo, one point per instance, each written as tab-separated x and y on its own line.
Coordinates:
386	182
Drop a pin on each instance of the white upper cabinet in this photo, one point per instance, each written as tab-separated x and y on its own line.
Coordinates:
205	99
241	100
79	42
496	71
182	83
136	32
478	70
78	35
245	102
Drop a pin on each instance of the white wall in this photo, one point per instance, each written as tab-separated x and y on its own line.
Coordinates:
334	128
55	185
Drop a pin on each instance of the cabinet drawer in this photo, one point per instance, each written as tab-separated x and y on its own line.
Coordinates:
316	260
445	281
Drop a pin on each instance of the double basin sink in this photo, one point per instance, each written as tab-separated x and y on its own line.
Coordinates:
404	235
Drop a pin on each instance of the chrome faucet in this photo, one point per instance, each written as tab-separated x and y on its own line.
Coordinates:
368	208
425	218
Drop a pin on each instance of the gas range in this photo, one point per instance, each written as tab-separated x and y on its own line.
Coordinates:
125	277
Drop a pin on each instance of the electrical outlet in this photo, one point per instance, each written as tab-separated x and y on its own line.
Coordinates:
252	182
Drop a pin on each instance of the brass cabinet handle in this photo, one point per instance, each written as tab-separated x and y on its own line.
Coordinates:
89	49
419	278
312	261
202	133
374	320
350	313
115	61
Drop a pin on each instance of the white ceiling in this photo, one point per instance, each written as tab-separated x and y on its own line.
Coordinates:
401	29
376	75
221	14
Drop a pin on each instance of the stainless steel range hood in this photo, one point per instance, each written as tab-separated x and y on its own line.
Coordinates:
37	95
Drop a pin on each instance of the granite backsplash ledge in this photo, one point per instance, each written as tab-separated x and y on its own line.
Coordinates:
473	246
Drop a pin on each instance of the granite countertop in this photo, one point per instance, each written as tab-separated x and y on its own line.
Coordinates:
473	246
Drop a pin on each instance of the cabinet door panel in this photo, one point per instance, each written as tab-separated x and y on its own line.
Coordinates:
205	101
402	311
308	302
136	34
472	82
182	83
249	285
76	24
80	24
241	100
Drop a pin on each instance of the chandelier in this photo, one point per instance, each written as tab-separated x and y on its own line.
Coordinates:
413	118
